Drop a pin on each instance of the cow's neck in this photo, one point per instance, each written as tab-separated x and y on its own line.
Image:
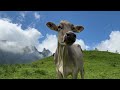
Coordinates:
63	54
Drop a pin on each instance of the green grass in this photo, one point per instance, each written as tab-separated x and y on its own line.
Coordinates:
102	65
98	65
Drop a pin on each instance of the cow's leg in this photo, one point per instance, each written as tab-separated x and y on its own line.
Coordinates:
81	68
82	73
59	74
64	76
74	75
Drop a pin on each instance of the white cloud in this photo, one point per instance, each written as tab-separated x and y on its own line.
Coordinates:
8	46
112	44
82	43
6	19
23	14
14	33
49	43
37	15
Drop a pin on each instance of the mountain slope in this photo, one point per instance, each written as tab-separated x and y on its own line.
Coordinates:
13	53
98	65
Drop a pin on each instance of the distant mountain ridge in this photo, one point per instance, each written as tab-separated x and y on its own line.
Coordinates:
12	53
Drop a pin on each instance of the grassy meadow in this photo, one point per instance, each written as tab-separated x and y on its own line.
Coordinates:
97	64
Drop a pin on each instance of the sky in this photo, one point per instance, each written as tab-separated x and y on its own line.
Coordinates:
101	28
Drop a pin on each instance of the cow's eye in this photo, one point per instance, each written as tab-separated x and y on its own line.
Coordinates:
72	28
60	27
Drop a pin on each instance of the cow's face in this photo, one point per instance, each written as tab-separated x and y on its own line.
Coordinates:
66	31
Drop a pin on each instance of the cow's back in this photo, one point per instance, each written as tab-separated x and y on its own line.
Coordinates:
75	54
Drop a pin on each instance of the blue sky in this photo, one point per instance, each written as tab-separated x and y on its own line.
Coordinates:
98	25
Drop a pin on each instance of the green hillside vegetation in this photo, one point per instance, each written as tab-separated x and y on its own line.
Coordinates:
98	65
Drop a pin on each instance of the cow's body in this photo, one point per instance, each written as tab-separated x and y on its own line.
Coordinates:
68	56
69	61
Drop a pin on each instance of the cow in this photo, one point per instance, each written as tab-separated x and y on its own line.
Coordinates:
68	56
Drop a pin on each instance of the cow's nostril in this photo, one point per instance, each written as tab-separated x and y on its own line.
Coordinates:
68	34
74	35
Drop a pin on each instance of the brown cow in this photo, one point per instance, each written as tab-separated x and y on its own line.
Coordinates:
68	56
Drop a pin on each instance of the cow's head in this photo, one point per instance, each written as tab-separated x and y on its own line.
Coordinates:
65	31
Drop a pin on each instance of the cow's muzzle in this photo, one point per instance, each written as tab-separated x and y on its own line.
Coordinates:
69	38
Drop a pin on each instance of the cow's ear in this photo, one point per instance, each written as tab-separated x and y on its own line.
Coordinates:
78	28
52	26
